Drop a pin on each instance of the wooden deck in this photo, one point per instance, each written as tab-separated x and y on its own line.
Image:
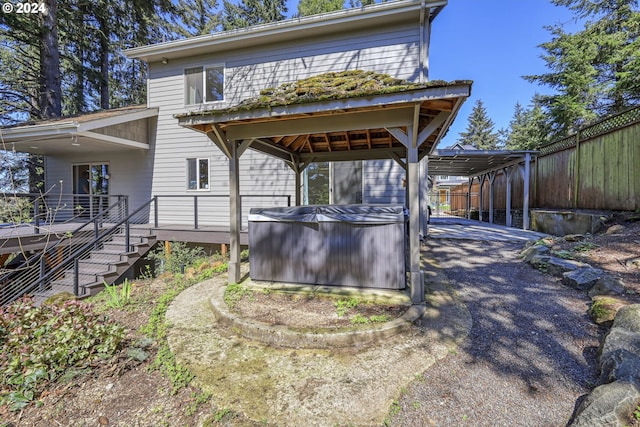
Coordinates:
25	238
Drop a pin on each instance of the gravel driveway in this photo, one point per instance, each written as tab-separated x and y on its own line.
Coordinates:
531	353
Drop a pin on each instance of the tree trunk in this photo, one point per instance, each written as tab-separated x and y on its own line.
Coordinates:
50	90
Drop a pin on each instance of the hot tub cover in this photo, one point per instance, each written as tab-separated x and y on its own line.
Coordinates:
355	214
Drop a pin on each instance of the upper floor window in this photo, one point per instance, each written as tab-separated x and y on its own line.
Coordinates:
203	84
198	174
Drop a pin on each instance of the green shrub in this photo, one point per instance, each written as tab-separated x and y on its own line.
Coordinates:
343	306
179	256
38	344
234	293
118	295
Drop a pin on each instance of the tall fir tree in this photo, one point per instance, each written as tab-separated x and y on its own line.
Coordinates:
480	131
196	18
528	129
313	7
252	12
595	71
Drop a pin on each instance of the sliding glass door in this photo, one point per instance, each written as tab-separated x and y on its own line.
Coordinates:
90	188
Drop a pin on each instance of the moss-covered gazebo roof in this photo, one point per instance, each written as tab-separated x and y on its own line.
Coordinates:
321	116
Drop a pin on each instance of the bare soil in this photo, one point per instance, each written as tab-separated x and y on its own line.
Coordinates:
615	250
302	312
124	392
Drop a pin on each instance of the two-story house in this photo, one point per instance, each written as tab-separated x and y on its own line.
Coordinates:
188	138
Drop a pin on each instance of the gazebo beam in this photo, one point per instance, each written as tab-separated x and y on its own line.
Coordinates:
331	123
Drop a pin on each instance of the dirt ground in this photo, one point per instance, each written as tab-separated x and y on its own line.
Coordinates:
123	392
308	311
616	250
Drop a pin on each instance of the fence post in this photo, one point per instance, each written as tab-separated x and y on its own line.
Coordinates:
576	173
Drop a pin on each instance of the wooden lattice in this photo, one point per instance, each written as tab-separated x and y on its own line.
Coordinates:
599	128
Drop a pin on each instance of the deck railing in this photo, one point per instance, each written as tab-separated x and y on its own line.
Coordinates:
37	271
39	210
194	203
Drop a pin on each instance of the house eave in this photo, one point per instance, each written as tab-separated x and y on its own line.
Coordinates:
310	26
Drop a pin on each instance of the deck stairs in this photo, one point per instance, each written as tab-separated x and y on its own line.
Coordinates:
104	265
97	253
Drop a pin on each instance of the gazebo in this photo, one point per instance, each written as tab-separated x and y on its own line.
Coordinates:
346	116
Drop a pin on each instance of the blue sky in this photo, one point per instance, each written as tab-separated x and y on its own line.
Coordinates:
494	43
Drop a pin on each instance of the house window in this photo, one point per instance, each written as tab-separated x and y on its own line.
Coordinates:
198	174
203	84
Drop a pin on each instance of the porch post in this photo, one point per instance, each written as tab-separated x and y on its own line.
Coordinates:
413	177
508	172
492	178
469	202
424	196
481	180
234	213
298	184
525	196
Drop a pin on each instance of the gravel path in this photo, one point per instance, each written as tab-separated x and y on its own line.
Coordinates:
531	353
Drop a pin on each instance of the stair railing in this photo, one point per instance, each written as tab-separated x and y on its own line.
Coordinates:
51	262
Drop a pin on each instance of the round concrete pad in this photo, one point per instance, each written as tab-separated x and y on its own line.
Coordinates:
331	386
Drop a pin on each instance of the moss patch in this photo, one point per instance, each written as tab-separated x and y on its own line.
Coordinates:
327	86
603	309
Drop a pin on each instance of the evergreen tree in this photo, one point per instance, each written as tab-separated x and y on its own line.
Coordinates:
528	129
313	7
596	71
252	12
360	3
480	130
196	17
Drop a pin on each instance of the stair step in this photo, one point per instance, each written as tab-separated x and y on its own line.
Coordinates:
92	268
104	256
118	238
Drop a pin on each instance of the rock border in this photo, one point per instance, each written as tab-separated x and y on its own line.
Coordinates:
282	336
617	395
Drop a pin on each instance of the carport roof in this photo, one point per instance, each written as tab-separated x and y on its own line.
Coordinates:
471	163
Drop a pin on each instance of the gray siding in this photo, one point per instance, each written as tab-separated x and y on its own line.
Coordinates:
383	182
392	50
130	173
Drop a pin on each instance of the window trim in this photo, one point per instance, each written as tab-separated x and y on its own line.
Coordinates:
198	160
203	74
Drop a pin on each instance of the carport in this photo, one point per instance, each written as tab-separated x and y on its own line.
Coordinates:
485	166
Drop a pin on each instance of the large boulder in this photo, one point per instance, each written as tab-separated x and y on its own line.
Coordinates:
608	405
620	349
582	278
540	261
604	309
558	266
607	285
611	403
529	252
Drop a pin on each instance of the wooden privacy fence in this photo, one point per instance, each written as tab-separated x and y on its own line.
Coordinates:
598	167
